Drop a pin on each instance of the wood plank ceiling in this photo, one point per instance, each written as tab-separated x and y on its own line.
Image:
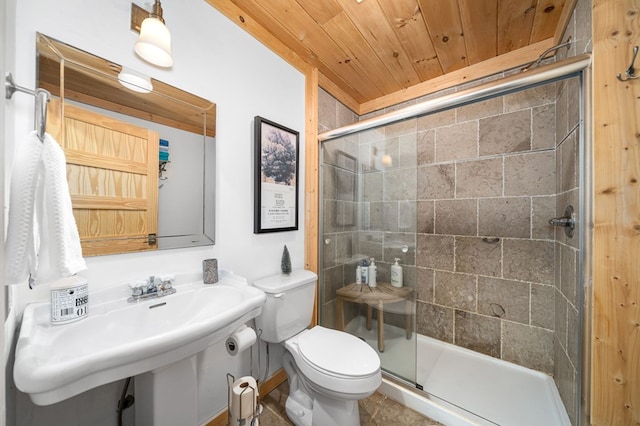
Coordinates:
371	53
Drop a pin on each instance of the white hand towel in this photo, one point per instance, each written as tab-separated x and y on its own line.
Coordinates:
60	254
42	238
20	247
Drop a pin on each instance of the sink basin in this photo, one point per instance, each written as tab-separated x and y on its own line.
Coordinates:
119	339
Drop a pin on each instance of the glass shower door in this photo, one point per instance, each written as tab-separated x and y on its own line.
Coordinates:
369	221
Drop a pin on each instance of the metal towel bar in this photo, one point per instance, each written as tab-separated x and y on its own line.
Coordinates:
42	98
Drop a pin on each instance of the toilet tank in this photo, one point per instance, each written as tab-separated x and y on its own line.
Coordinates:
289	304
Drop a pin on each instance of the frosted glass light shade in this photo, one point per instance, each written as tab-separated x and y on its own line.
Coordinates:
154	43
135	81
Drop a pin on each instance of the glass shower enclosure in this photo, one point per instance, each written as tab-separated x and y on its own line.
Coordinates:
488	318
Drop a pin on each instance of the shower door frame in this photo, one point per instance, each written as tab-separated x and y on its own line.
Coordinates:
577	66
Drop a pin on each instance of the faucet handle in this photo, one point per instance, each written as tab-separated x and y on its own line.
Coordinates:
166	281
137	287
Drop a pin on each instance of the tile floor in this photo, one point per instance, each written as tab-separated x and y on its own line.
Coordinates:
374	410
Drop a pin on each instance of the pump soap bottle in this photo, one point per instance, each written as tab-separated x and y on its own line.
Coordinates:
365	272
396	274
373	269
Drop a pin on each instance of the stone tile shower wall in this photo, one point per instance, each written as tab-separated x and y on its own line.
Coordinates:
567	336
482	253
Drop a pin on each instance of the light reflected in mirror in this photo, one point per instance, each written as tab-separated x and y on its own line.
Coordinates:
140	164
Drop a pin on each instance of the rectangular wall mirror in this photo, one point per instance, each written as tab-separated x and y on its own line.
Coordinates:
140	159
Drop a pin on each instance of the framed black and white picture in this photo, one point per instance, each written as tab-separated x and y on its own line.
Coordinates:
276	177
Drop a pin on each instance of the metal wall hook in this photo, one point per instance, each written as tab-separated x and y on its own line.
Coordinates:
630	73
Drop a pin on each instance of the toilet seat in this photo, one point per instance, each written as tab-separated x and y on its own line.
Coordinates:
337	353
336	362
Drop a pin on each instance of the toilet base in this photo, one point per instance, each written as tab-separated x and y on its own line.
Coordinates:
325	412
306	407
297	413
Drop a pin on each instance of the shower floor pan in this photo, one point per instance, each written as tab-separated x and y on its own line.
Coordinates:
463	384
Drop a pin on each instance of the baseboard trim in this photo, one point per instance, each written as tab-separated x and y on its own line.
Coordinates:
273	382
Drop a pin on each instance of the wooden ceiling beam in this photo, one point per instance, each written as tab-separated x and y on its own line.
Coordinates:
465	75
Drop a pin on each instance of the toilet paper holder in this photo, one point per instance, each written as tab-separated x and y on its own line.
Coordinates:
256	411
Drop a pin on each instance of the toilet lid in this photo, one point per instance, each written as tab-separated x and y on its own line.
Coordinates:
338	353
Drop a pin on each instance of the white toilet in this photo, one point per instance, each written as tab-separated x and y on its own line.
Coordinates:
329	370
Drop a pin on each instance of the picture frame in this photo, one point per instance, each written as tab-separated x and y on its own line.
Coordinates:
276	160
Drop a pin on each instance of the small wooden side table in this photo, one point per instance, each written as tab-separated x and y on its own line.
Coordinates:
375	297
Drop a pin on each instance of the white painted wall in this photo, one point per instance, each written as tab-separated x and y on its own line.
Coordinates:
213	59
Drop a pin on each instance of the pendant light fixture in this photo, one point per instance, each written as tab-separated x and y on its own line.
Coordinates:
154	43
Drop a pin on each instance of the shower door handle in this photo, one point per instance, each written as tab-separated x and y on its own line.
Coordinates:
568	221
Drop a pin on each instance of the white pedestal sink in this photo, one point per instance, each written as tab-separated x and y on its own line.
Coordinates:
119	339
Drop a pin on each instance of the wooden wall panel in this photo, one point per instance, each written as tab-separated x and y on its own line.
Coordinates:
615	372
312	181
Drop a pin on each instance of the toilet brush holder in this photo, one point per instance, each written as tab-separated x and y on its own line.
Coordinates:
242	404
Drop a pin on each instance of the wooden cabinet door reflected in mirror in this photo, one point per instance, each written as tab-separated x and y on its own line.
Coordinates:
112	170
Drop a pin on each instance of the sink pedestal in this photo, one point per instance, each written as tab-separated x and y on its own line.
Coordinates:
168	396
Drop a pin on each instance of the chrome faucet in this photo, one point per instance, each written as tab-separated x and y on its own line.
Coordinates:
151	287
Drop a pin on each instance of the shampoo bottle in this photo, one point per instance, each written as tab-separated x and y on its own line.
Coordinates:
396	274
365	272
358	274
373	269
